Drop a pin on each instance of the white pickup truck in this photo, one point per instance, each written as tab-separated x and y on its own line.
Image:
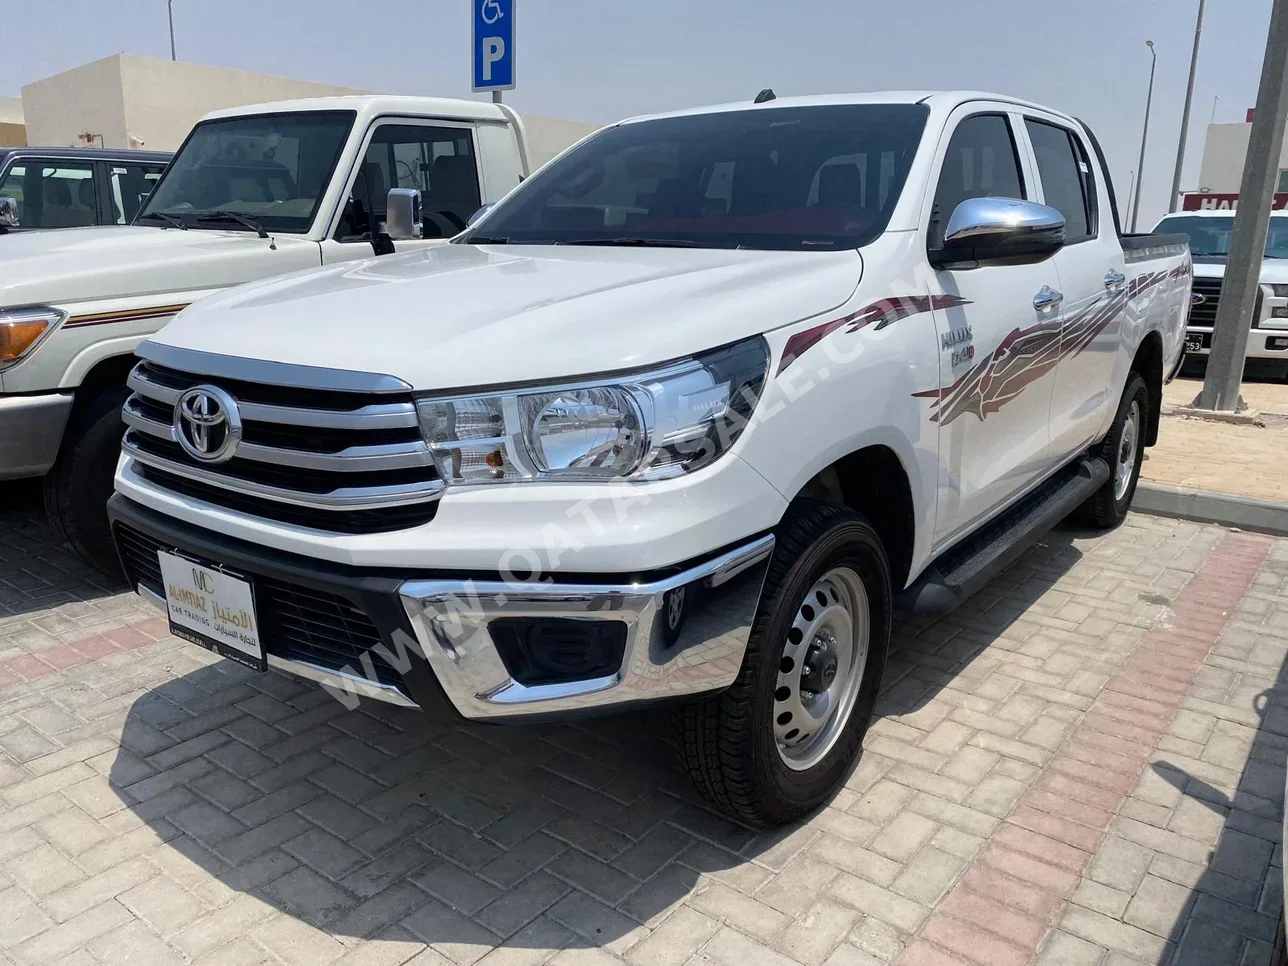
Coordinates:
1209	234
685	417
253	192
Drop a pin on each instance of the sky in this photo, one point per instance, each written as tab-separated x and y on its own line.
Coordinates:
600	60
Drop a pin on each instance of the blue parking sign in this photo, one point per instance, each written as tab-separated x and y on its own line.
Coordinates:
493	45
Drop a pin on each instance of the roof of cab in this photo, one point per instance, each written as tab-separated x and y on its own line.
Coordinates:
944	100
374	105
93	154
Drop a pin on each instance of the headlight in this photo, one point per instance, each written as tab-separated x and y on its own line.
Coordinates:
1279	291
22	328
642	426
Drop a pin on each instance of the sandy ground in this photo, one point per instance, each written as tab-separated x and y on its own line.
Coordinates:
1244	460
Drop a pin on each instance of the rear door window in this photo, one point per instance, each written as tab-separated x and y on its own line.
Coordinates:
1067	183
52	193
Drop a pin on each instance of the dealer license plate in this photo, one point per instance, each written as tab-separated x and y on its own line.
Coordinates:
1194	344
212	608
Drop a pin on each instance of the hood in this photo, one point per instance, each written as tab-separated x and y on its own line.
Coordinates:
454	316
70	265
1273	270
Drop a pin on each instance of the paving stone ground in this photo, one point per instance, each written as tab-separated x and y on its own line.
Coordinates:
1083	765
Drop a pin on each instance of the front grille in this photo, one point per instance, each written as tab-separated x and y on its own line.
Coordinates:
339	461
1204	313
296	622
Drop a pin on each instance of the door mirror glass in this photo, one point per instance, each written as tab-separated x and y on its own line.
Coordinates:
477	215
999	231
403	214
8	212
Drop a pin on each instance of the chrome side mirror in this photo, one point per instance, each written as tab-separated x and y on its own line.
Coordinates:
8	212
999	231
479	214
402	214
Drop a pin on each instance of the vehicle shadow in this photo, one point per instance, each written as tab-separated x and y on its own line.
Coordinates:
1236	897
385	822
36	571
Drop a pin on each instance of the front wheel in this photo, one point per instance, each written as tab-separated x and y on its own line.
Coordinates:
1124	450
79	485
783	737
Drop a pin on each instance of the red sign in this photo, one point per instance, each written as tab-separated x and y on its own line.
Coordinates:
1212	201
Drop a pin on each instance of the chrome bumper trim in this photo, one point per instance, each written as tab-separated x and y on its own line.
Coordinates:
31	429
663	657
351	684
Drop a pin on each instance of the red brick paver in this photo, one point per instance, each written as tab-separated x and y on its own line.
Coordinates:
1001	910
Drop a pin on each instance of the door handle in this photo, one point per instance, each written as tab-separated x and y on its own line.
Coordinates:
1048	298
1115	280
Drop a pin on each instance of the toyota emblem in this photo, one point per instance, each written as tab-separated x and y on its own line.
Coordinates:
207	424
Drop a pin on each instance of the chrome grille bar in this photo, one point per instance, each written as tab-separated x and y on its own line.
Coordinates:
343	498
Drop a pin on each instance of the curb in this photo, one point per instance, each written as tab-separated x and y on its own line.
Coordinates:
1243	512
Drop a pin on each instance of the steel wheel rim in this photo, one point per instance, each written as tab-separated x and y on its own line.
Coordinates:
1126	463
831	626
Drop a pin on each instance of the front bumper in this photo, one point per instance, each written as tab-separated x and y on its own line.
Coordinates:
31	429
1271	344
434	639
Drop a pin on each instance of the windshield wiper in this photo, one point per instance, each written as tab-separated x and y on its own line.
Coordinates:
232	216
485	240
633	242
171	221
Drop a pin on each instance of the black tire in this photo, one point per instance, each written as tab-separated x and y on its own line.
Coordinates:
1106	509
78	487
727	742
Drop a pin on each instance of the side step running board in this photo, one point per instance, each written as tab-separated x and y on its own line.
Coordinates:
982	556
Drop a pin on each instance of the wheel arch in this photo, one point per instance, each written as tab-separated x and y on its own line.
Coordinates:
1148	363
873	481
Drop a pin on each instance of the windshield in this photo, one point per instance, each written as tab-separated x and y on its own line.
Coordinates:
780	178
1210	237
272	168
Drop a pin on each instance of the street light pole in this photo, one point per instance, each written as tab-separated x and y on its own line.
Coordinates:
1185	116
170	10
1144	134
1241	285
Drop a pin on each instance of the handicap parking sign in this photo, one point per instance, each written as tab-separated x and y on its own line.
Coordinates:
493	45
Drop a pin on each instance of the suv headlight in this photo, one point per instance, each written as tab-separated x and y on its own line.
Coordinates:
1279	291
22	328
650	425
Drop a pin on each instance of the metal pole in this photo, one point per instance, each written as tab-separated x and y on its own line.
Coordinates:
1144	135
496	97
1215	100
1241	287
170	10
1185	116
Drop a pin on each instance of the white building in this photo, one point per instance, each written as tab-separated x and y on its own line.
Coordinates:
1221	174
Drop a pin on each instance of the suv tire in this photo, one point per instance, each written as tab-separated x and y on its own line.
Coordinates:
80	483
815	658
1124	450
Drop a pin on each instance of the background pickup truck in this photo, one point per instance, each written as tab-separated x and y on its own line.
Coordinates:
1209	234
686	417
252	192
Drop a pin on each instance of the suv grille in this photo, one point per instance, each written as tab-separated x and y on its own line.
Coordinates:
297	622
1204	313
332	460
